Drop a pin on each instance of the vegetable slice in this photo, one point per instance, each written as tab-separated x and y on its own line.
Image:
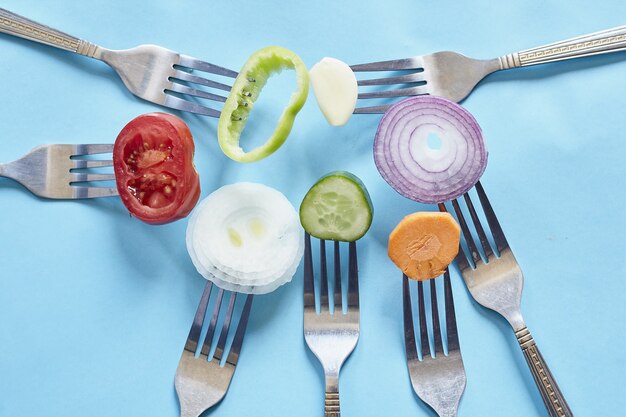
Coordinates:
154	171
423	244
417	169
245	91
337	207
335	88
245	237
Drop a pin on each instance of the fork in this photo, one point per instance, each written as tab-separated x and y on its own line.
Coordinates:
47	171
201	382
496	282
151	72
331	337
439	380
453	76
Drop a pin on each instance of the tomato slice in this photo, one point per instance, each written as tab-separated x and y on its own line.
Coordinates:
154	171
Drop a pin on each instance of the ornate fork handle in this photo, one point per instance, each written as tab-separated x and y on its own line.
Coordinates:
14	24
550	392
610	40
331	400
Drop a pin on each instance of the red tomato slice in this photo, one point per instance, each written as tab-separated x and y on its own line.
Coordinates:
154	171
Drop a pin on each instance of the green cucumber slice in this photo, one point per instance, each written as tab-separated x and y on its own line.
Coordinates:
248	85
337	207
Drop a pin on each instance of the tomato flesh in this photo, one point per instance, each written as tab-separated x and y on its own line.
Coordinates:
154	171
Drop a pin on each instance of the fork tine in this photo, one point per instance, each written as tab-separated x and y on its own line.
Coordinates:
91	163
190	62
422	320
91	149
435	313
194	333
451	330
353	277
393	65
469	239
93	192
323	278
185	76
235	348
409	330
309	286
401	79
372	109
185	105
193	92
84	177
208	339
337	264
492	220
484	242
401	92
221	343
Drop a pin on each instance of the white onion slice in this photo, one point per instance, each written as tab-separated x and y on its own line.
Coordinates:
415	169
245	237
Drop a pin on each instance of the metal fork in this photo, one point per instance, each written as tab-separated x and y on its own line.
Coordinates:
453	76
496	283
331	337
201	382
439	380
47	171
151	72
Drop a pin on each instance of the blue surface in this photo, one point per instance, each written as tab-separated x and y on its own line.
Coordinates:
95	306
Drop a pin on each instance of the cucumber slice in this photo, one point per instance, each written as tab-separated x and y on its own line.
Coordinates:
245	91
337	207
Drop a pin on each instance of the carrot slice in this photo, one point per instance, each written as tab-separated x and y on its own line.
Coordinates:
424	243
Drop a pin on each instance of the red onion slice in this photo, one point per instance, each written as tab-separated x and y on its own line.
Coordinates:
419	172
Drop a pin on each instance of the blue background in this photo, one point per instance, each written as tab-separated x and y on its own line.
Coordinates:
95	306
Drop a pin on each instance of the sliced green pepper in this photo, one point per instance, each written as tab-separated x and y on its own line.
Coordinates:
248	85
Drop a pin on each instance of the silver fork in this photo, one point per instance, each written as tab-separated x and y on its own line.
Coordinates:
331	337
200	381
496	283
439	380
151	72
47	171
453	76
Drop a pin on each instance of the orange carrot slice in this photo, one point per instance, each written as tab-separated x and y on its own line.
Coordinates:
423	244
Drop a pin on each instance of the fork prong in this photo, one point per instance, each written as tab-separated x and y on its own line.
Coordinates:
460	257
84	177
221	343
469	239
235	347
409	329
337	290
484	242
91	163
435	317
353	278
185	76
194	333
492	220
185	105
92	149
421	306
372	109
401	79
193	63
194	92
451	330
393	65
323	277
309	285
208	339
93	192
400	92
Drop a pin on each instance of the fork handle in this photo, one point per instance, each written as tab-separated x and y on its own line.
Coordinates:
603	42
331	399
16	25
550	393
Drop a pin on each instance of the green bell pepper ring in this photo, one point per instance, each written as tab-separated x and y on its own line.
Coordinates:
248	85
